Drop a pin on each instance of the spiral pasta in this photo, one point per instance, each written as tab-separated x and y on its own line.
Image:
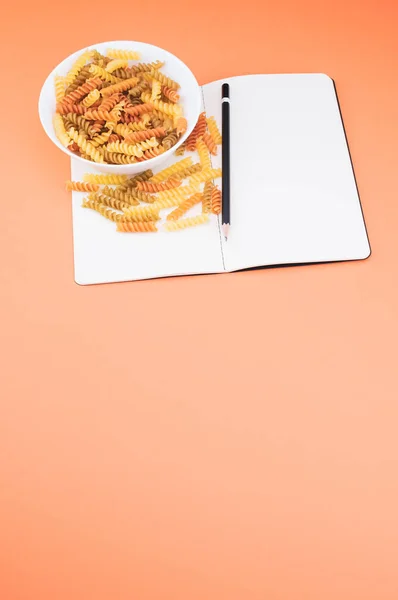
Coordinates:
174	169
101	139
143	196
60	130
139	227
206	201
110	102
79	80
184	223
180	192
124	73
100	72
165	107
146	134
164	80
106	179
121	129
156	90
64	109
82	90
208	140
59	84
165	203
132	182
137	90
170	94
216	200
145	67
78	186
122	86
196	133
114	137
87	148
96	126
77	66
151	153
80	123
195	168
153	188
141	213
109	201
204	156
91	98
104	210
118	159
213	129
121	195
181	125
100	115
124	55
117	63
132	150
178	212
204	176
140	109
170	140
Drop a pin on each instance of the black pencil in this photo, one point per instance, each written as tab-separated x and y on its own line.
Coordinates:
226	216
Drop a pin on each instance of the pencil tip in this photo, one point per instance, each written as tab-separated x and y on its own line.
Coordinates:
225	230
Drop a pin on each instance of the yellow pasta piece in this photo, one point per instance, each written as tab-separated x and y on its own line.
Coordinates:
214	131
77	66
156	90
118	63
204	155
105	179
91	98
165	107
175	169
164	80
141	213
103	74
180	192
166	203
132	149
123	130
60	130
204	176
106	212
184	223
123	54
59	84
87	148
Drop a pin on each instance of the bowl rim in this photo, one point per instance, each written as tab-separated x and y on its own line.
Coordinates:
109	166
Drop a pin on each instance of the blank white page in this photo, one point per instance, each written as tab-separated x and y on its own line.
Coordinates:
293	192
103	255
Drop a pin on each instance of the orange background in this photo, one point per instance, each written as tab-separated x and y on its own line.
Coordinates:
147	454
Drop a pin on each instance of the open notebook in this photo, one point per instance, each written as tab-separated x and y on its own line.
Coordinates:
293	193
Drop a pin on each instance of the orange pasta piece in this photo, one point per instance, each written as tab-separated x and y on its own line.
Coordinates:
153	188
136	226
198	131
146	134
210	143
184	207
216	200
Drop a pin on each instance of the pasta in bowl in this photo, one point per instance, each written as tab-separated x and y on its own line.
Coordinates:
120	106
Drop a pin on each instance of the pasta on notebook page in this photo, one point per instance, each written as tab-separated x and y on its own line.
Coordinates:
293	196
104	255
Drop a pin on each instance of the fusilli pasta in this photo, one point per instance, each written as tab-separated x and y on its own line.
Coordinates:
106	179
78	186
153	188
123	54
216	200
184	223
184	207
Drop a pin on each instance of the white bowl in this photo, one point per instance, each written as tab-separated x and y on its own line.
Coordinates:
173	68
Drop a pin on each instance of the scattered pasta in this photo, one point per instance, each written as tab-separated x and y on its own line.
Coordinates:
135	203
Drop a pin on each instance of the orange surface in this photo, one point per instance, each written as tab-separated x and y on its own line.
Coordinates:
130	468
